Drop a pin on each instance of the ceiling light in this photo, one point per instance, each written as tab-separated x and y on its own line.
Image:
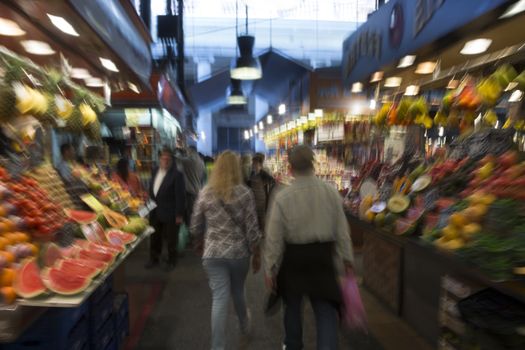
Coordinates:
94	82
516	96
251	133
255	129
133	87
476	46
453	84
393	82
377	76
261	125
514	9
108	64
318	113
10	28
246	67
203	136
80	73
406	61
441	131
246	135
269	119
63	25
412	90
512	85
36	47
426	67
282	109
235	95
357	88
373	104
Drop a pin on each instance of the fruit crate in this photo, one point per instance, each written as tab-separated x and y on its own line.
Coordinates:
122	330
102	290
113	345
100	311
105	335
121	308
57	329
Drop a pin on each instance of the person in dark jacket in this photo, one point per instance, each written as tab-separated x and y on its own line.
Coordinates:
167	190
261	184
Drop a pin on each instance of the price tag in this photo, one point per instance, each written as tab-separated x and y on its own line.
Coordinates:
151	204
143	211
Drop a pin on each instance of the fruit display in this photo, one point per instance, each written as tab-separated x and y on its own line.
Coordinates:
49	180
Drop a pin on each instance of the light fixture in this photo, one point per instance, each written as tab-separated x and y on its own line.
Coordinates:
514	9
476	46
426	67
318	113
516	96
311	116
357	88
453	84
393	82
255	129
108	64
246	135
245	67
512	85
377	76
133	87
412	90
373	104
282	109
63	25
441	131
235	95
80	73
251	133
10	28
36	47
203	136
356	108
261	125
406	61
94	82
269	119
303	119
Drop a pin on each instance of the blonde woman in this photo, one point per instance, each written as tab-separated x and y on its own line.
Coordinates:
225	220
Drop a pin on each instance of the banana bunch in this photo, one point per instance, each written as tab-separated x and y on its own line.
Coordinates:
490	118
489	90
440	118
380	117
64	108
403	111
88	114
29	100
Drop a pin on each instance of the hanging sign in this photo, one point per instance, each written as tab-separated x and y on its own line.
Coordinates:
331	132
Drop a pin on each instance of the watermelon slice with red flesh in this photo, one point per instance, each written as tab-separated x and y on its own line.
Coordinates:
81	216
106	247
63	282
102	266
51	254
96	255
28	283
72	267
119	237
69	252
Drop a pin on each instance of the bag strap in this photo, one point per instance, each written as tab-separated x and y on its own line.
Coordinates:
230	214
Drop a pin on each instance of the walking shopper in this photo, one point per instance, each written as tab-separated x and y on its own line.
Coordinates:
307	245
167	191
194	174
261	184
224	219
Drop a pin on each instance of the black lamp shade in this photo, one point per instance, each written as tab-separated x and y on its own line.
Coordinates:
246	67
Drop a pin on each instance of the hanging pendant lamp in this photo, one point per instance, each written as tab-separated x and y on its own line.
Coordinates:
246	67
235	94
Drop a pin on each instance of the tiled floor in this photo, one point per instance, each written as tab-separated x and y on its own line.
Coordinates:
172	311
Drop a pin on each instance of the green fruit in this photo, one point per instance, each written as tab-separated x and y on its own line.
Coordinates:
398	204
421	183
390	219
379	220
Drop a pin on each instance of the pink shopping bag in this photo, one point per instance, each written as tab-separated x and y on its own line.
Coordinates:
354	315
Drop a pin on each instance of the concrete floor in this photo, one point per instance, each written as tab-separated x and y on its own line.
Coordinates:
172	311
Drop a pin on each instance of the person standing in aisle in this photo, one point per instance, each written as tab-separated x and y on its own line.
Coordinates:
262	185
307	245
128	179
168	192
224	222
194	173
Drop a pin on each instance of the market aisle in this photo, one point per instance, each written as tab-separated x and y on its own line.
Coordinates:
172	311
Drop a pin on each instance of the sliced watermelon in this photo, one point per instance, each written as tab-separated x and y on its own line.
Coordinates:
118	237
28	283
404	226
106	247
73	267
80	216
51	254
69	252
94	232
96	255
63	282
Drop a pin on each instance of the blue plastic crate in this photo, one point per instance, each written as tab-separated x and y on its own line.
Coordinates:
120	307
102	338
102	290
99	313
122	330
113	345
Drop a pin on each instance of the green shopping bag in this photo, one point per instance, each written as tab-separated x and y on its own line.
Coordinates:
184	237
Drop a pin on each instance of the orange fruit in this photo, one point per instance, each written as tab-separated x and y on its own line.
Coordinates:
7	277
9	257
4	242
3	211
3	227
8	294
22	237
34	249
11	238
10	225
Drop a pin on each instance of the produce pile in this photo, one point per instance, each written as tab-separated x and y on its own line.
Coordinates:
474	208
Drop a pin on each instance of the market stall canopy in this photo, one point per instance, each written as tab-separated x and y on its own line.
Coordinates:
105	38
402	28
278	73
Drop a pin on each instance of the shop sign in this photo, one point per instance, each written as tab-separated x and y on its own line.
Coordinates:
401	27
111	22
331	132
